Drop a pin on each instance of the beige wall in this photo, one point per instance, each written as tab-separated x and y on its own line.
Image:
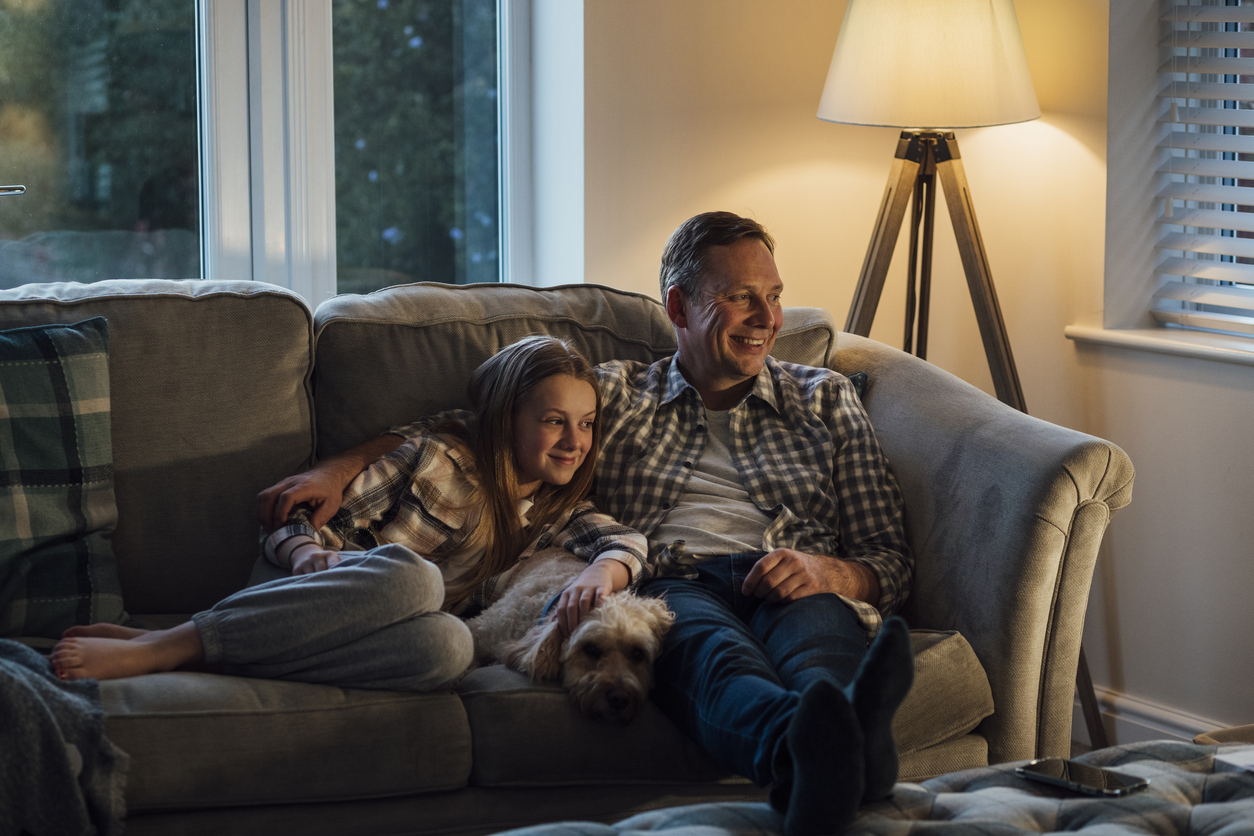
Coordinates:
709	104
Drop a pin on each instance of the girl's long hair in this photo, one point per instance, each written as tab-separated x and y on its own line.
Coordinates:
497	388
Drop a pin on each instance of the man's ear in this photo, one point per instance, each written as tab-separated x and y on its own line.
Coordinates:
677	307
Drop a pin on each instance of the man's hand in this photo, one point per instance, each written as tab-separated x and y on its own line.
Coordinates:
321	490
586	591
322	487
787	575
308	558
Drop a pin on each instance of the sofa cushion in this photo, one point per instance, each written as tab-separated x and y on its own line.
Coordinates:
950	694
969	751
56	480
528	734
387	358
209	384
206	740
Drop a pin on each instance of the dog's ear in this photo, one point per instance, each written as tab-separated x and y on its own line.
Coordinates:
660	613
538	653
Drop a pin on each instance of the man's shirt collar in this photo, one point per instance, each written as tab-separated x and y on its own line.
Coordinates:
676	383
763	384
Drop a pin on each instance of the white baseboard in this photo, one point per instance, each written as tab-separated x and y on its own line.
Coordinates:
1131	719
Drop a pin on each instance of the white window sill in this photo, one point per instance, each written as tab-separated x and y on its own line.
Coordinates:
1198	344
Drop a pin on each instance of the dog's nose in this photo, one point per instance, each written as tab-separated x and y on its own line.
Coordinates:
622	704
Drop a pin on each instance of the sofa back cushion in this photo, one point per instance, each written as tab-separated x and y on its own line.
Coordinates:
210	404
389	357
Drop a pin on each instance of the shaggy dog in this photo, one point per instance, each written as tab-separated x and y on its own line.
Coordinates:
606	664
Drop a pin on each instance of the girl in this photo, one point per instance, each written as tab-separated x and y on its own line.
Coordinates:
429	530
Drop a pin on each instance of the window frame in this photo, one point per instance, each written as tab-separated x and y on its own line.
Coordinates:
267	137
267	143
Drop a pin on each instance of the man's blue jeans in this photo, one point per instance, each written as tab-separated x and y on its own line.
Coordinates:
733	666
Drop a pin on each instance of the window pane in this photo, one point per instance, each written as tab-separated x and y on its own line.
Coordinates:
98	121
415	142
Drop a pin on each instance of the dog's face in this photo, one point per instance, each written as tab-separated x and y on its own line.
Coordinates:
607	663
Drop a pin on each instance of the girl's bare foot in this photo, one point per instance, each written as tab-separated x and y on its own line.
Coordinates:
96	657
104	631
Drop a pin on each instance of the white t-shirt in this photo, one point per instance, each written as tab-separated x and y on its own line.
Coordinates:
715	514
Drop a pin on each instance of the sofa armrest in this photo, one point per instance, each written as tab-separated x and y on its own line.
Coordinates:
1005	513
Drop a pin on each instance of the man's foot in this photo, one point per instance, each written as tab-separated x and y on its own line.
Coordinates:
825	742
94	657
104	631
878	689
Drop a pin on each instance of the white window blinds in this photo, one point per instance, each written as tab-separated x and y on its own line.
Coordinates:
1206	229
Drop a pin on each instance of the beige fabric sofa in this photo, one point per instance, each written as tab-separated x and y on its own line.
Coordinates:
221	388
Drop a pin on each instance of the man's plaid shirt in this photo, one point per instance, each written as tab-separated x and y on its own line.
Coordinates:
805	450
417	496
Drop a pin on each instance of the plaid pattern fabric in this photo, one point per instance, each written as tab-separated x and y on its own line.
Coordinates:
57	509
804	448
417	496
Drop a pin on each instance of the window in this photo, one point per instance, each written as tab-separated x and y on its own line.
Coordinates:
1206	226
98	119
285	141
415	142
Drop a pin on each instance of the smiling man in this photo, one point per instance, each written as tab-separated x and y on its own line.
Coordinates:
776	529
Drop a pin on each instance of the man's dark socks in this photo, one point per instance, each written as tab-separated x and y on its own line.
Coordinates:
877	691
825	742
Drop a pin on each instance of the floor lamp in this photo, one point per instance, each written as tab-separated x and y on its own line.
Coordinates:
930	66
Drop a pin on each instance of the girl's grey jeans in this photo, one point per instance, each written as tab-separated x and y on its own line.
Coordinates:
372	621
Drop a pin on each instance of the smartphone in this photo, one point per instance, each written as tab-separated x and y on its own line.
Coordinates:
1091	780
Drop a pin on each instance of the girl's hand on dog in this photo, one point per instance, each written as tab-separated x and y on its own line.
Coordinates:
586	591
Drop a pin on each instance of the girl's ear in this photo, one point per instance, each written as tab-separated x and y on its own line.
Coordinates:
538	653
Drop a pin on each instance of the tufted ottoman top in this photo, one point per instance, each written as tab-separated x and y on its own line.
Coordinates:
1190	792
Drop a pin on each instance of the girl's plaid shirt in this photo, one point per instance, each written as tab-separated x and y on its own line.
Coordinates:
417	496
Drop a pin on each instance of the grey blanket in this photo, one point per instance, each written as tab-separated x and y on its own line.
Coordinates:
59	775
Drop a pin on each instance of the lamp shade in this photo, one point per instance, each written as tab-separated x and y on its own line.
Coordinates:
929	64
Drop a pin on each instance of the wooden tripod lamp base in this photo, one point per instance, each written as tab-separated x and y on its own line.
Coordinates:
921	157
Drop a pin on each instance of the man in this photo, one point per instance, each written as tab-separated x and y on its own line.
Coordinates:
774	525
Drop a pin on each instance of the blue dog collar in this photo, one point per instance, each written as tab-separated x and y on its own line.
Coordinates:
544	614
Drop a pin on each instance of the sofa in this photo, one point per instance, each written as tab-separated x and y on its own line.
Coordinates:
218	389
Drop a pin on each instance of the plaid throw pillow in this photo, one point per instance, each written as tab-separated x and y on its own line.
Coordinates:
57	512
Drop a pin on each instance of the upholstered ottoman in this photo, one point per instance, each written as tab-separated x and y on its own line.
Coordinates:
1191	793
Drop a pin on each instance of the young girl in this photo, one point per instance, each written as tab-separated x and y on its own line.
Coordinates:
429	530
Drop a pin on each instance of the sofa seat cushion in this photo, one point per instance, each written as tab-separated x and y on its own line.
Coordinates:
969	751
950	694
528	734
207	740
